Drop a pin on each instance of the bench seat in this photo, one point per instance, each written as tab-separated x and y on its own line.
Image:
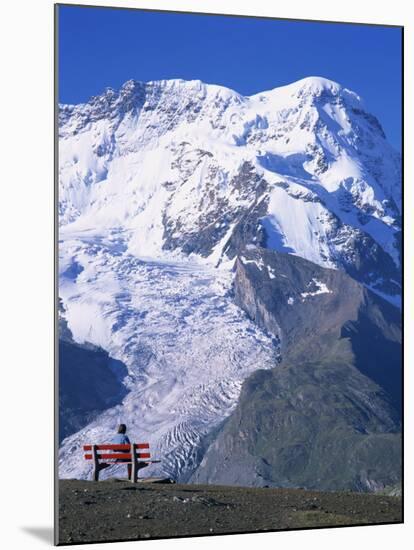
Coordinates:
113	453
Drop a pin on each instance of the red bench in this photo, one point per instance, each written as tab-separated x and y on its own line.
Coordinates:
111	454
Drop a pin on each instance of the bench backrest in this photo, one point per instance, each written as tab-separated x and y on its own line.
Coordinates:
116	452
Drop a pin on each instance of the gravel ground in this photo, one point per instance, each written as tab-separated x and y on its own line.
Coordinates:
118	510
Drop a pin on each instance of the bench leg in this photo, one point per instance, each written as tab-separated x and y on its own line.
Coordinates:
95	463
134	473
96	473
134	477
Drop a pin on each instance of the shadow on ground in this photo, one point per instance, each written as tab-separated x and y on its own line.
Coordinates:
44	534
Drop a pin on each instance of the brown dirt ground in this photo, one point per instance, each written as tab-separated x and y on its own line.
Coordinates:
118	510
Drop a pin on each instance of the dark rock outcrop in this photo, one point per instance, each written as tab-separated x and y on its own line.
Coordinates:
89	383
320	314
328	417
321	426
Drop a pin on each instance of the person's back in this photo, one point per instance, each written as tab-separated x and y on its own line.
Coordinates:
120	439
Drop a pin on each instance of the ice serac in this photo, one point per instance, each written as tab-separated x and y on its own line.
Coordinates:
164	187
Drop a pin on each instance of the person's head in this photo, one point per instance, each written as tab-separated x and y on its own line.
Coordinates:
121	429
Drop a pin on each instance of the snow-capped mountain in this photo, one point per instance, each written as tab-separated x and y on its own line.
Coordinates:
161	185
176	165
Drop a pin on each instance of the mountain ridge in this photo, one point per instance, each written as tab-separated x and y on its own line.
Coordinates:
182	153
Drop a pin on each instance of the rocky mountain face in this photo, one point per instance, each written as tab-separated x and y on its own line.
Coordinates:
89	383
328	416
87	386
317	314
205	236
321	426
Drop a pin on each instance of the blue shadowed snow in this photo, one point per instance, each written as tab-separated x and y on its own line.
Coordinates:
73	271
274	239
291	165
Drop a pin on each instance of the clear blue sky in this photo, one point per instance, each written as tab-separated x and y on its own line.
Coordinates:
101	47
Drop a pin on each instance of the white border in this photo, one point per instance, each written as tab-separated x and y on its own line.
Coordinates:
26	202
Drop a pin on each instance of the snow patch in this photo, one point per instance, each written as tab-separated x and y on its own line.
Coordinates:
321	288
258	263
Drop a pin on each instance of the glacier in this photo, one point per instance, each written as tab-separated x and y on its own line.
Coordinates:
187	347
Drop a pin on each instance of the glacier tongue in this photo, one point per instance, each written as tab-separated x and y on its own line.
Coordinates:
187	347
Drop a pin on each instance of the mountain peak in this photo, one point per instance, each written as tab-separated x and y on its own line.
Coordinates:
309	90
318	86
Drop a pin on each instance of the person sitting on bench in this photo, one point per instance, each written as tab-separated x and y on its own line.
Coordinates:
120	438
119	447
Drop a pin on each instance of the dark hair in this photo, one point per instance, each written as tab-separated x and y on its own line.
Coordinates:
121	429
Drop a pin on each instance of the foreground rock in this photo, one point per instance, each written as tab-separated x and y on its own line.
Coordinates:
117	510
